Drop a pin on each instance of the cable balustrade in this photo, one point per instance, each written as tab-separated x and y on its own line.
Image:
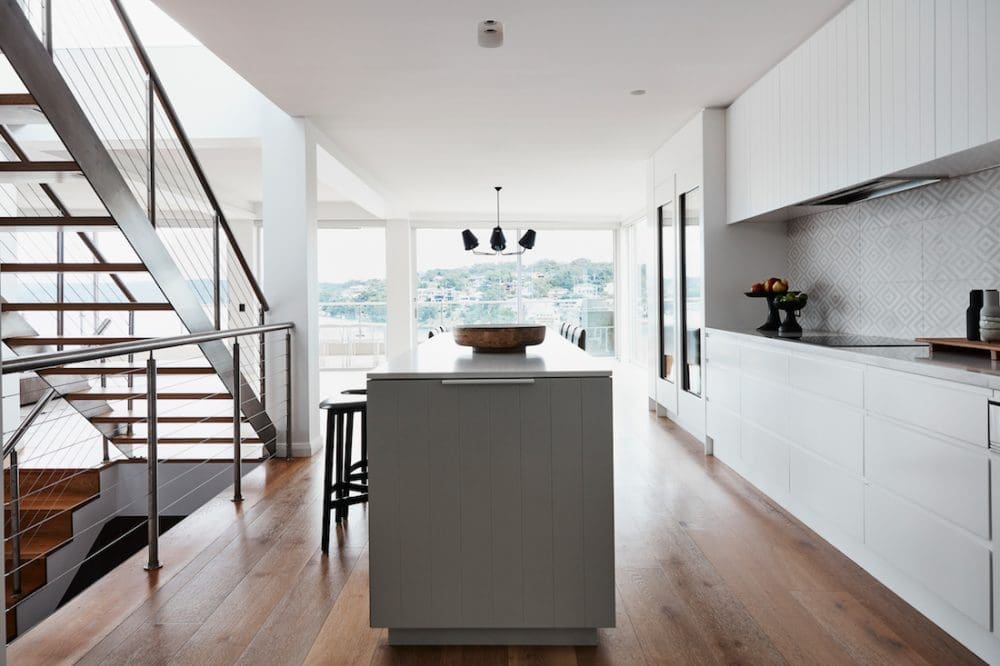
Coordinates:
98	51
157	402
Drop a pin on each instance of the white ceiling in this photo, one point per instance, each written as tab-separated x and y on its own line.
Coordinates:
435	121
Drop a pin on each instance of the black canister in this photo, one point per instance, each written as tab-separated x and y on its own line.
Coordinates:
972	314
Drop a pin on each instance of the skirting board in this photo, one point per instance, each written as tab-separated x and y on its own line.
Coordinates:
492	636
302	449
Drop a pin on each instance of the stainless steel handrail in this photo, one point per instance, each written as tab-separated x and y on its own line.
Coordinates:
42	361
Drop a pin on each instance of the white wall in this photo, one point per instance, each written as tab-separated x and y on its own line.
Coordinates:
734	257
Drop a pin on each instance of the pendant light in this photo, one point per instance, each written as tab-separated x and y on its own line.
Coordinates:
498	241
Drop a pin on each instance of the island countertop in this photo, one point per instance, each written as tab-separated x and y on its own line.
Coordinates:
441	358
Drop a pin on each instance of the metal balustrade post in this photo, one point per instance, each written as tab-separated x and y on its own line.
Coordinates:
151	139
15	522
152	495
237	427
60	285
262	363
47	27
216	273
288	395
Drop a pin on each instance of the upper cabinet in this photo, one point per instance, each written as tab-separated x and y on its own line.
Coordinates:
885	86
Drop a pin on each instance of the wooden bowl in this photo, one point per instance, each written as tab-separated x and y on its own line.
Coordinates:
499	338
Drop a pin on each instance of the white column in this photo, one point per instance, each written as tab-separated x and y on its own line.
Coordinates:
289	269
399	278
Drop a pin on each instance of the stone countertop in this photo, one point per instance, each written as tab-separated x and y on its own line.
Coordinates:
441	358
975	369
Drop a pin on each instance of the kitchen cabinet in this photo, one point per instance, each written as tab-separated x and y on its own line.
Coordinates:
951	564
491	516
946	408
941	476
892	467
884	86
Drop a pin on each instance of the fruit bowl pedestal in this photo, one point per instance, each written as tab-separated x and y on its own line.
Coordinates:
790	328
773	319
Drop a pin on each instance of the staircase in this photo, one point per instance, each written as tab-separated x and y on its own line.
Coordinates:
176	266
49	498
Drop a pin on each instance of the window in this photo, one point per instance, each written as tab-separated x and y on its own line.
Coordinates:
568	276
636	252
352	312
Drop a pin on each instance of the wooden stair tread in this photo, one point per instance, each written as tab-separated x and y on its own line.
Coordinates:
34	545
32	221
109	369
137	418
17	99
184	440
55	502
95	267
101	394
69	340
85	307
38	166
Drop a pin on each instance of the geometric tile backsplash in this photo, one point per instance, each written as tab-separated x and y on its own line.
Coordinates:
901	265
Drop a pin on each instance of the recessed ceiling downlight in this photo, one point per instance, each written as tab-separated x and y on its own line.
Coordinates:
490	34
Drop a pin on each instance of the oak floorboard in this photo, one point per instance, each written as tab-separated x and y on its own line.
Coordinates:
156	644
227	632
345	637
708	570
288	633
617	646
541	656
208	589
92	616
291	476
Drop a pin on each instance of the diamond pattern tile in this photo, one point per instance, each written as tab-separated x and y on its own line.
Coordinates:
901	265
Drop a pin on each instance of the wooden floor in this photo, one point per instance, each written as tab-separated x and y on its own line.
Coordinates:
708	571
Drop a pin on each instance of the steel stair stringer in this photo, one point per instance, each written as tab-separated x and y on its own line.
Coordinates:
39	74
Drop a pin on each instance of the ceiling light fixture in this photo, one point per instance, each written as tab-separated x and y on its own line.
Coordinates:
490	34
498	241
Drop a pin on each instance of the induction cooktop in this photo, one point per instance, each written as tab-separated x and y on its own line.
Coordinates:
849	340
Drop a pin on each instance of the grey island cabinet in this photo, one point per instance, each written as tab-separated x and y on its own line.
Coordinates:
491	506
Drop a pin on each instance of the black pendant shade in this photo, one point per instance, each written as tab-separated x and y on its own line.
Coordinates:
498	241
470	240
527	239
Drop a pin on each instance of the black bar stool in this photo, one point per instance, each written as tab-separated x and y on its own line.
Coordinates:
348	477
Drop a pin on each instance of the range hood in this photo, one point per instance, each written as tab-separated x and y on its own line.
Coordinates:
873	189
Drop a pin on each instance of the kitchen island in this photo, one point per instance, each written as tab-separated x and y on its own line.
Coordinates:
491	511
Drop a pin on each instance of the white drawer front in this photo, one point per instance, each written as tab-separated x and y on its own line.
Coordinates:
765	458
764	363
943	407
829	491
943	478
941	558
722	350
840	380
829	429
764	404
723	427
723	386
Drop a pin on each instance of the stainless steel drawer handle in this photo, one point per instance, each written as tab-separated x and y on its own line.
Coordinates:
486	382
